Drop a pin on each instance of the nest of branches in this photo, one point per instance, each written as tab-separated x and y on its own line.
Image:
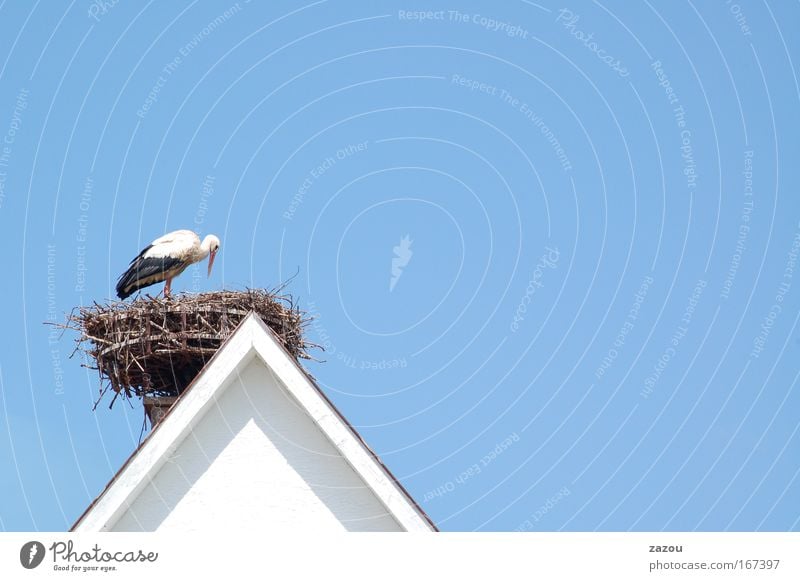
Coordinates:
155	346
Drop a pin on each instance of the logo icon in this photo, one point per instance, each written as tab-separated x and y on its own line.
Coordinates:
31	554
402	256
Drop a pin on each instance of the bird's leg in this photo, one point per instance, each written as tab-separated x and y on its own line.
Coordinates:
167	287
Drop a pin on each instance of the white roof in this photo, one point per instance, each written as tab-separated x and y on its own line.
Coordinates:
252	343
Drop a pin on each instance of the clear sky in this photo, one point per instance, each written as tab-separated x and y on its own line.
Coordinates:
552	250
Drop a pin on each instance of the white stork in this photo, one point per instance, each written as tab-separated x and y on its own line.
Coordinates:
164	259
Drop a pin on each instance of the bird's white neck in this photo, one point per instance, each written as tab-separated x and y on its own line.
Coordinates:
207	243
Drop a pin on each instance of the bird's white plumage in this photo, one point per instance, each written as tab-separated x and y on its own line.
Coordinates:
165	258
181	244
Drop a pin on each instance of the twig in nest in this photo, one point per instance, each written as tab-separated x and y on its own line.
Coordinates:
153	346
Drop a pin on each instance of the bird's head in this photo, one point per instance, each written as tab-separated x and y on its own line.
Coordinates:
212	243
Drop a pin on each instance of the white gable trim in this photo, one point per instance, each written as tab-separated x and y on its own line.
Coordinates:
251	339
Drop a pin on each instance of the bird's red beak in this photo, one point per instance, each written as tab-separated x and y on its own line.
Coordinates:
211	261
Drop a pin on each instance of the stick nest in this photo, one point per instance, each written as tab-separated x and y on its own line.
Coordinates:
155	347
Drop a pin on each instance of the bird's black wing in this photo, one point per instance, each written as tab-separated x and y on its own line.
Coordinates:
141	254
143	272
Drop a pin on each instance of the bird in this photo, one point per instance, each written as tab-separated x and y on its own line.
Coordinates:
164	259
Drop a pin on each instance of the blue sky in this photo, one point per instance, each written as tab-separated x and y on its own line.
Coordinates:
551	249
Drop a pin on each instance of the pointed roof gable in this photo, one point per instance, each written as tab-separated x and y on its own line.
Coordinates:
252	339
